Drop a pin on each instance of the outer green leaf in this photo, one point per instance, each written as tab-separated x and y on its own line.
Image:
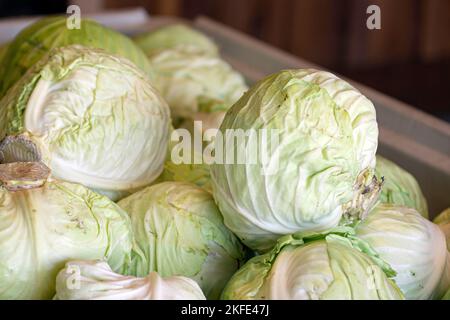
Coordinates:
36	40
175	36
400	187
3	48
197	174
179	231
443	220
412	245
447	295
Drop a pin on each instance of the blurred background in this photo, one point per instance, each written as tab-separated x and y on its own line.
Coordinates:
409	58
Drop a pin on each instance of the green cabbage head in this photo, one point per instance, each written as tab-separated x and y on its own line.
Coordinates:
43	227
36	40
92	117
198	174
94	280
443	220
400	187
322	168
413	246
179	231
314	268
175	36
195	83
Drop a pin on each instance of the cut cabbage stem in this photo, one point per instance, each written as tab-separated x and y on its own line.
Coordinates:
367	192
18	148
18	176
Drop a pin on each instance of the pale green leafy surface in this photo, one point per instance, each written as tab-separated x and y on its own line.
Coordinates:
444	282
96	281
41	229
400	187
94	117
443	217
321	267
327	137
194	82
447	295
198	174
413	246
443	220
175	36
36	40
179	231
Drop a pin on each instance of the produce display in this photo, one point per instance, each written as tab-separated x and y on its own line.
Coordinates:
95	204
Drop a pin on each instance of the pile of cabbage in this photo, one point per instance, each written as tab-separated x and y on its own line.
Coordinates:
93	205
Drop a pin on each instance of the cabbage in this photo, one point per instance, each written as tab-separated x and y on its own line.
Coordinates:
198	174
193	82
444	282
413	246
175	36
3	48
328	137
443	220
44	224
400	187
312	268
179	231
33	42
93	118
447	295
94	280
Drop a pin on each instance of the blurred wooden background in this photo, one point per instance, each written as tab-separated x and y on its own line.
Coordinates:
409	58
